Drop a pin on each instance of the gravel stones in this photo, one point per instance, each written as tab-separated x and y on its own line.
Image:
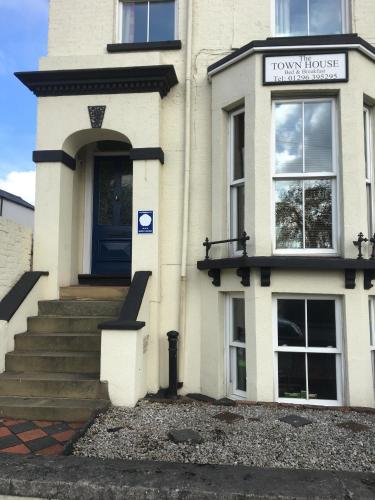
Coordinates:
261	443
185	436
295	420
228	417
353	426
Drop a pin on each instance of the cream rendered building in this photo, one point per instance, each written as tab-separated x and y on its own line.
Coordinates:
162	123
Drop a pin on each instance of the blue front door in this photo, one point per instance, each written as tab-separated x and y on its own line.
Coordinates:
112	216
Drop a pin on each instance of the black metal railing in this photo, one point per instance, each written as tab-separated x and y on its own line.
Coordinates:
359	244
241	240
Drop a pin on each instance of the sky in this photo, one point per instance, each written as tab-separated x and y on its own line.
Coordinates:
23	40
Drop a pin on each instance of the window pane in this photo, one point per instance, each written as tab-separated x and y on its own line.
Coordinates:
291	322
288	129
289	216
126	195
322	376
321	321
240	213
326	17
238	146
238	306
292	375
107	192
162	21
318	137
241	369
318	213
135	22
291	17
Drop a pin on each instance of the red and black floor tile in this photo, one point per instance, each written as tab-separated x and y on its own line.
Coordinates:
36	437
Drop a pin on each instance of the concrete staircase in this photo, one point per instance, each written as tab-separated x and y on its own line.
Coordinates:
53	373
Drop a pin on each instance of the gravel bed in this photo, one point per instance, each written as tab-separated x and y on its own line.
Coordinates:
259	439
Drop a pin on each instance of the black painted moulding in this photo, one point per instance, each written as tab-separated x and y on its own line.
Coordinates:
144	46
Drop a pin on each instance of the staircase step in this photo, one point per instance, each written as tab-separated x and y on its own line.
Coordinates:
80	307
44	361
83	292
47	385
72	342
61	324
60	409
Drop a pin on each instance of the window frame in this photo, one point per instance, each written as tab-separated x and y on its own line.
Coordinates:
338	350
346	20
121	4
369	166
334	175
232	184
230	345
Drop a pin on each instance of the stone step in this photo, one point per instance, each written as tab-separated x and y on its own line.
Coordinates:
83	292
72	342
48	385
59	409
61	324
80	307
44	361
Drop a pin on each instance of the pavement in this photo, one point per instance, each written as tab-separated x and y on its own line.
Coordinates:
79	478
36	437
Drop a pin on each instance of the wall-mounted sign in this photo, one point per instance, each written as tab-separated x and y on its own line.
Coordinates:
145	221
307	68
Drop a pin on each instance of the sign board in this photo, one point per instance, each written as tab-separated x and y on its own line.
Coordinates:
305	68
145	221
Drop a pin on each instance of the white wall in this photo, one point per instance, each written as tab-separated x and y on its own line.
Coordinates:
15	253
17	213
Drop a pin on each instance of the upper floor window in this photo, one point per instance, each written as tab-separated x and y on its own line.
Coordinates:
305	176
148	21
367	134
310	17
237	175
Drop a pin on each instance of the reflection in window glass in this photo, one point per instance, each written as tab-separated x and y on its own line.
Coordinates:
289	214
135	15
241	369
162	21
237	173
318	213
321	318
238	320
292	375
289	134
238	146
291	322
318	136
309	17
322	376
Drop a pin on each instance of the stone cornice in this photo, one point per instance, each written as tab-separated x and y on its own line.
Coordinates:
137	79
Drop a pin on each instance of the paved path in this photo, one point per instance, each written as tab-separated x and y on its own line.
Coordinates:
77	478
38	437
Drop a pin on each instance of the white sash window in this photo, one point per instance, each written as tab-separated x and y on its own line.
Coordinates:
308	364
148	21
311	17
305	166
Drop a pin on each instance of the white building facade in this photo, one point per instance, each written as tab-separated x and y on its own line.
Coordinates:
163	123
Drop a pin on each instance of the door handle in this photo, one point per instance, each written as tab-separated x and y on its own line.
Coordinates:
116	198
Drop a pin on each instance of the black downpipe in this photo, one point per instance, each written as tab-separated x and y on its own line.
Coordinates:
173	376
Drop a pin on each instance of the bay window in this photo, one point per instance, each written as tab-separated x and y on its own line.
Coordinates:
310	17
148	21
237	176
305	176
236	342
308	350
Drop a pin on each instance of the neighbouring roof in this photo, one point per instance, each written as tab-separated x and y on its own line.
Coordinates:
15	199
295	43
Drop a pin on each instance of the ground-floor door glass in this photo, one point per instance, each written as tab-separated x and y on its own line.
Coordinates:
236	352
112	216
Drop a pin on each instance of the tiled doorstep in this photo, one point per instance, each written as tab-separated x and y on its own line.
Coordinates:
24	437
